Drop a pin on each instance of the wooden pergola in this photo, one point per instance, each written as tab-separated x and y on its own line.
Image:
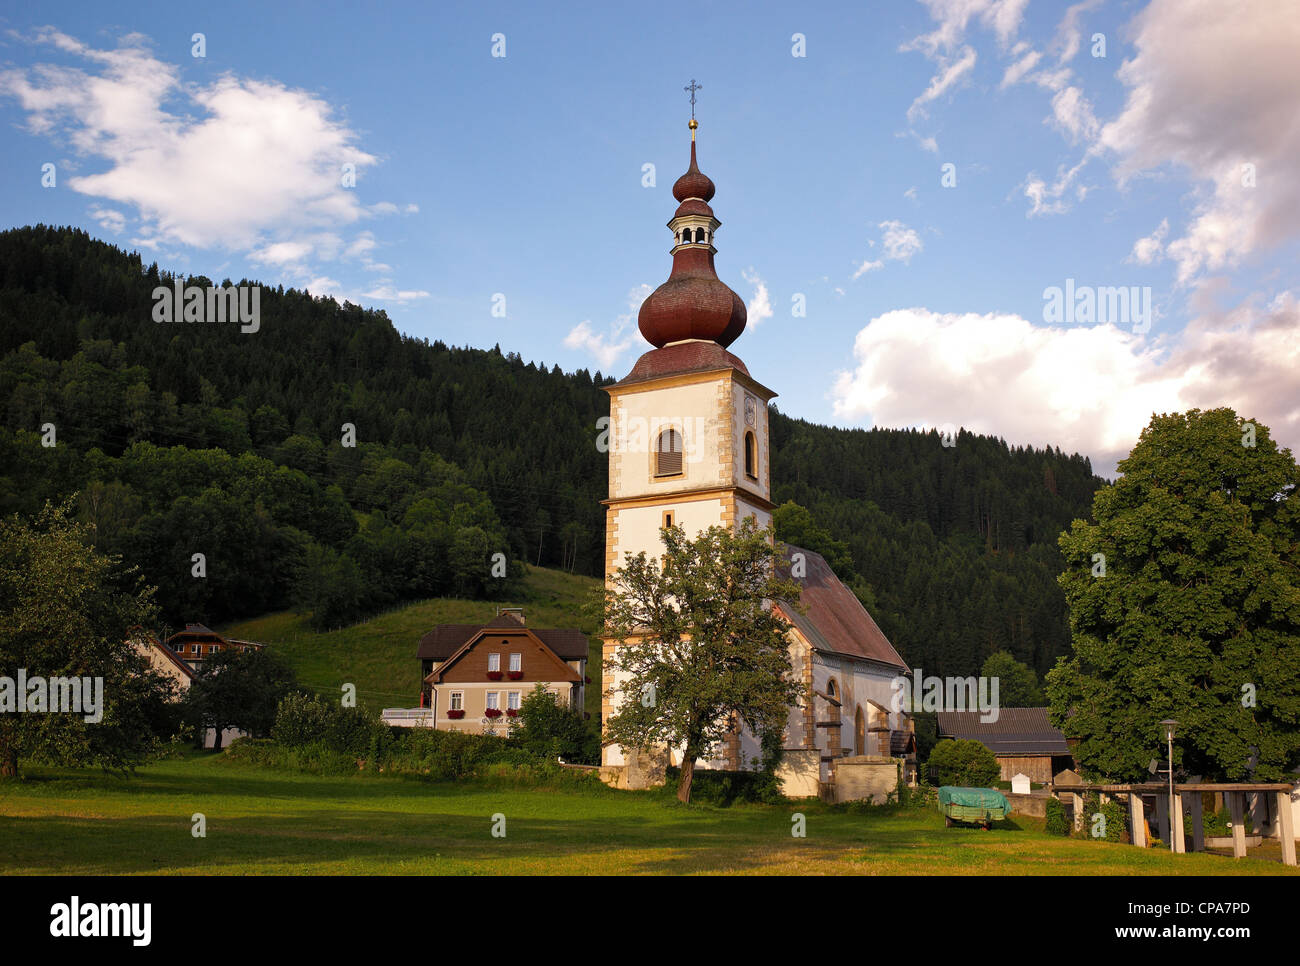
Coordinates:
1169	814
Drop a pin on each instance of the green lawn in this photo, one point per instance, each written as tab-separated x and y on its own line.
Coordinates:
378	655
263	821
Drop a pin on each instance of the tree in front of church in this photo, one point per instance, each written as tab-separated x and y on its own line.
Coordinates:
700	651
66	611
1184	600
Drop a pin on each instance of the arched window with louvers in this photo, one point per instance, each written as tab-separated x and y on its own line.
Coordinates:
668	453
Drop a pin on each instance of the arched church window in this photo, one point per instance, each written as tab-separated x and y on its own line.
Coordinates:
751	455
668	453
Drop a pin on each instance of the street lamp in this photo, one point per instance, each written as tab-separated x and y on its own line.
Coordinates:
1169	725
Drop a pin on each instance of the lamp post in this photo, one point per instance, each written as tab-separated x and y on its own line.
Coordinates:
1169	724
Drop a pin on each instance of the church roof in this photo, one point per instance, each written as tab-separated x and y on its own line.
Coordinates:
693	303
682	358
834	620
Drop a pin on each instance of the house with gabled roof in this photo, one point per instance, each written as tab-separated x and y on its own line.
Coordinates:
475	677
198	642
1022	739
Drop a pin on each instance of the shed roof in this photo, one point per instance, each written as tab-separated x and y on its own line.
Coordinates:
1017	731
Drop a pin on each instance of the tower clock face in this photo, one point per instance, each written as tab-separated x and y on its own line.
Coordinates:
751	410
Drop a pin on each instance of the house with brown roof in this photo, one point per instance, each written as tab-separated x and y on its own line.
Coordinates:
197	643
1022	740
847	666
475	677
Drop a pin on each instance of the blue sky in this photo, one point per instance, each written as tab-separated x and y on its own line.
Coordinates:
523	175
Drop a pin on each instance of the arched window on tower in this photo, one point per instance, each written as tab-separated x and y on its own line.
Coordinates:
751	455
699	235
668	453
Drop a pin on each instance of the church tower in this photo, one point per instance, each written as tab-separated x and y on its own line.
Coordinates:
688	425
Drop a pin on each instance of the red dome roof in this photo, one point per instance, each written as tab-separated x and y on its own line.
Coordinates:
694	183
694	303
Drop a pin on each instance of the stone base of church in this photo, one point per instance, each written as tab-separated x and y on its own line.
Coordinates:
642	768
868	778
800	773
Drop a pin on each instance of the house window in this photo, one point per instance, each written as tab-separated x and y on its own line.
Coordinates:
516	662
668	453
457	700
494	699
668	518
751	456
512	700
494	662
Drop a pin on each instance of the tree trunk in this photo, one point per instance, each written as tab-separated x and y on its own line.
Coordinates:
9	763
688	775
216	743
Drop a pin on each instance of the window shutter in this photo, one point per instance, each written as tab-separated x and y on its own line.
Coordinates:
669	456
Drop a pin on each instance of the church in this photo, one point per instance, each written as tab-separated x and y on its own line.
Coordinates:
698	456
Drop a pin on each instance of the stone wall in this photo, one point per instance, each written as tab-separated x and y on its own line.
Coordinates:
800	773
865	778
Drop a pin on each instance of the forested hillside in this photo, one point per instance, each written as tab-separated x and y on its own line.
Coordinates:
184	439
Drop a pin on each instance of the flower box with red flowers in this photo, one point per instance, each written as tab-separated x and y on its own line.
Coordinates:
456	713
494	675
515	675
512	712
492	713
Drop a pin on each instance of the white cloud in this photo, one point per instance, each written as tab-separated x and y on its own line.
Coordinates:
1212	88
1089	390
1020	68
1068	34
233	163
867	266
760	306
110	219
1147	250
950	72
608	347
900	242
1072	113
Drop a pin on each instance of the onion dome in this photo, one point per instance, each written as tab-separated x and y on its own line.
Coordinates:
694	303
694	183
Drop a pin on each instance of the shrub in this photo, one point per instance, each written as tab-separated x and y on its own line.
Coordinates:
725	788
956	761
551	731
1057	823
305	719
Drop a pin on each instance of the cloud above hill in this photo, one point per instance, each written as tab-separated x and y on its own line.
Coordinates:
235	164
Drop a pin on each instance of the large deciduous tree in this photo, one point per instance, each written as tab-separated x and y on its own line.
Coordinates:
66	611
701	650
1184	599
239	689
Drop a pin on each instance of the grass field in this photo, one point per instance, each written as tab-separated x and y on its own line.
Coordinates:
378	656
262	821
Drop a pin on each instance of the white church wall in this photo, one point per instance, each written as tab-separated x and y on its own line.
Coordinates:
856	683
636	419
762	485
638	526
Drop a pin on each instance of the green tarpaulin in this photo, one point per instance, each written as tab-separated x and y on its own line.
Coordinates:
973	804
